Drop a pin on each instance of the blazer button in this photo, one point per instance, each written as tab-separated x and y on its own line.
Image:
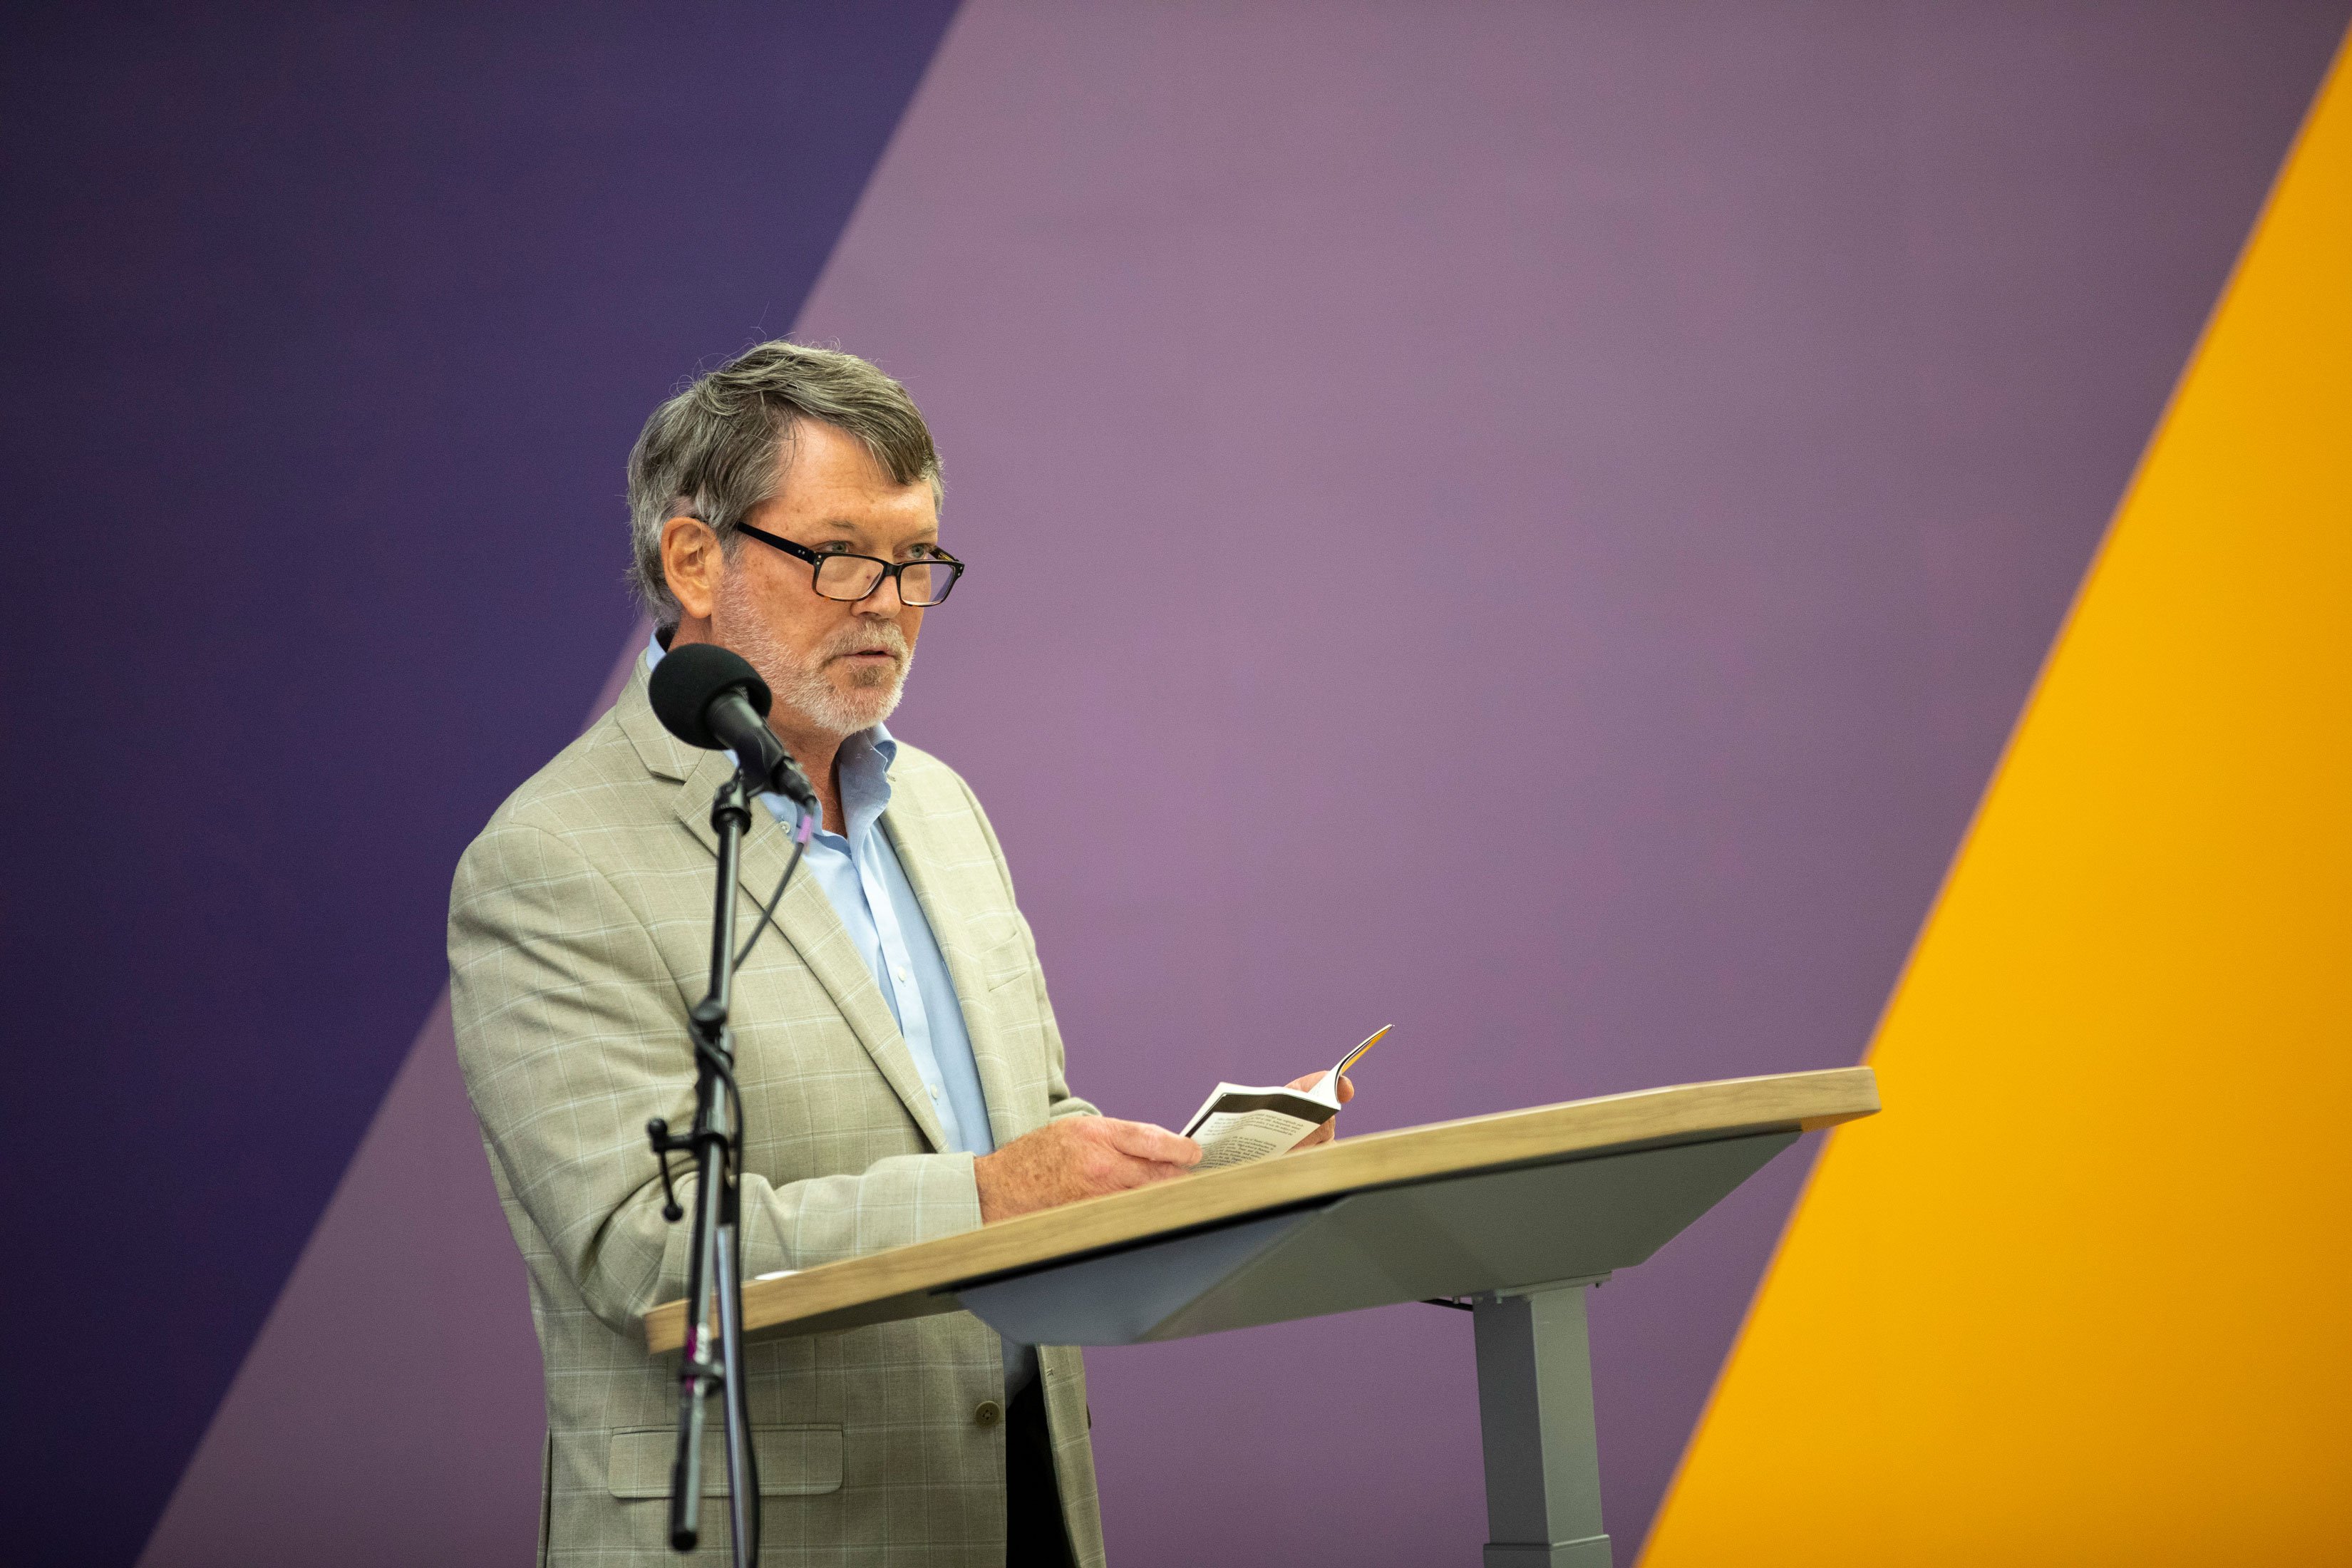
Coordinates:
988	1412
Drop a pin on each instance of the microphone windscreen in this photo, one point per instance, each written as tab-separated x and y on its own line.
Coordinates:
689	677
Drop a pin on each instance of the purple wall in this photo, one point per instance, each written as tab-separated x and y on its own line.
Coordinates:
1591	487
327	330
1772	370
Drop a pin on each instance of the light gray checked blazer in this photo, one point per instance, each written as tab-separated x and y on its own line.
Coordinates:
579	937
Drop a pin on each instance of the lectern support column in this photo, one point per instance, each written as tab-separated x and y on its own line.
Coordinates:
1535	1417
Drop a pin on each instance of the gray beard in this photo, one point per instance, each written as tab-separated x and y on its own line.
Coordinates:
802	688
821	705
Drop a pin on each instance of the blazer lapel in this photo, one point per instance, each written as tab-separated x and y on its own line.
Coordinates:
998	1077
807	920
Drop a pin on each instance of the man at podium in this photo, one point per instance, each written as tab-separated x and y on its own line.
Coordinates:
901	1074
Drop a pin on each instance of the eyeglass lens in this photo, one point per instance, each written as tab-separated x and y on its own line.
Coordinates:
920	583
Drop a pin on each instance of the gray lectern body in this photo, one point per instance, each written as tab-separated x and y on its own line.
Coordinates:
1520	1213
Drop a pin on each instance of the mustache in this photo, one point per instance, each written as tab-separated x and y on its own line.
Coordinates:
882	638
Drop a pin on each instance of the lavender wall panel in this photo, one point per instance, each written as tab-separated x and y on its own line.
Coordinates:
1530	523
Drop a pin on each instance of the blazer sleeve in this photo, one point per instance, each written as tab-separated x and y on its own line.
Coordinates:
572	1032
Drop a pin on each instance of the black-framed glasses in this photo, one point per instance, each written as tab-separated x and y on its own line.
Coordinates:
850	578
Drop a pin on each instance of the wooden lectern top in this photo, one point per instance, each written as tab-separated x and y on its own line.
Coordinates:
914	1281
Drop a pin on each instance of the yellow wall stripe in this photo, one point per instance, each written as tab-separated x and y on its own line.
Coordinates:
2083	1293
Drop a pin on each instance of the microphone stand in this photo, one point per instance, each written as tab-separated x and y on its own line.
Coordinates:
712	1362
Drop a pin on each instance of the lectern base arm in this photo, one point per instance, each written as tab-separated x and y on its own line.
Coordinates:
1535	1421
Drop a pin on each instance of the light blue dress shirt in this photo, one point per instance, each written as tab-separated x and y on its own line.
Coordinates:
862	878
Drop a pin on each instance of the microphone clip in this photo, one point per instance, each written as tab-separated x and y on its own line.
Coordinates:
786	779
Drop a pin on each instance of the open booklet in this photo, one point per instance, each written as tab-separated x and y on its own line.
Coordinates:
1236	1123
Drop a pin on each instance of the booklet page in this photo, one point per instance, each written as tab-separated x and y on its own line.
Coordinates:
1238	1123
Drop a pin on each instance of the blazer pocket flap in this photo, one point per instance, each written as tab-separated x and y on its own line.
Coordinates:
793	1462
1003	965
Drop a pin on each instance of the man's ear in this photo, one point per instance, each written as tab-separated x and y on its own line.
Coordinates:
692	562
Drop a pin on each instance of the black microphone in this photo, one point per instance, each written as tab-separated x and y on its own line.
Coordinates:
711	698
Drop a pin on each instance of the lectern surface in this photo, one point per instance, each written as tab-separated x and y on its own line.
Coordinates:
1577	1188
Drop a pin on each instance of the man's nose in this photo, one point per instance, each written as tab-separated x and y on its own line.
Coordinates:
884	601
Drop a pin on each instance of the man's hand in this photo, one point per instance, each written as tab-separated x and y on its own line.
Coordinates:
1330	1130
1077	1157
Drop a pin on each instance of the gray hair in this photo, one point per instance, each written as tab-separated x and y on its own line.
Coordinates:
719	450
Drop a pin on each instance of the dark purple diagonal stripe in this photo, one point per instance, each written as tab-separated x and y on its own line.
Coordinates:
327	333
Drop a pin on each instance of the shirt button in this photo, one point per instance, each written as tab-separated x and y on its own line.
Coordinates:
988	1412
935	1091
